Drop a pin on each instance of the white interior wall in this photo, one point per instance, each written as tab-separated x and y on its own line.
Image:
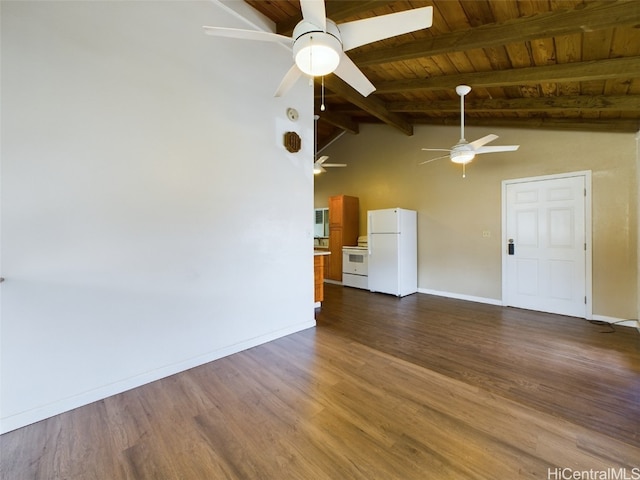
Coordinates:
151	218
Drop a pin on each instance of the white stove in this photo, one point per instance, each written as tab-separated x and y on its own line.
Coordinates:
355	265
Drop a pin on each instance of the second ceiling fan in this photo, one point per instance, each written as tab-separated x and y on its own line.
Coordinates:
463	152
319	165
319	44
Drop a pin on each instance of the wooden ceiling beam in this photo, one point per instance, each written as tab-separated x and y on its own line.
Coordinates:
371	105
626	67
577	124
339	120
626	103
620	125
592	16
329	139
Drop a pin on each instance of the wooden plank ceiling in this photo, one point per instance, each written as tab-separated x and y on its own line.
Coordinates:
557	64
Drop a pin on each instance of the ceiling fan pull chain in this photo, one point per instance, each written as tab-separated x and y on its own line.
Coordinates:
322	108
464	173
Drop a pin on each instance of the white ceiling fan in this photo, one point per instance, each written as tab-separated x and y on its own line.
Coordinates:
319	44
463	152
319	165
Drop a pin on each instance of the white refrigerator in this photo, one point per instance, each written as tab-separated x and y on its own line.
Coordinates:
393	251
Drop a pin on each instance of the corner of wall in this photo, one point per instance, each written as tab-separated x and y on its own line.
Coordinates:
638	224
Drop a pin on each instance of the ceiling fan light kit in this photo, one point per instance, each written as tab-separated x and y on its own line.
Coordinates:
315	52
462	154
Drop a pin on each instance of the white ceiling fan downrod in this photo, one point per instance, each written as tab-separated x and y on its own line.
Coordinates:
462	91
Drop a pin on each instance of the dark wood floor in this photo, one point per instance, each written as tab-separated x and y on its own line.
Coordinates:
560	365
383	388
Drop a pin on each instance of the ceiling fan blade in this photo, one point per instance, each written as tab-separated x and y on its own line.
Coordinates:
313	11
350	73
433	159
322	159
503	148
290	78
368	30
334	165
482	141
436	149
247	34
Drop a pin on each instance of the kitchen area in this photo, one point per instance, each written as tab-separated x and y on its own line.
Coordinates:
334	227
383	260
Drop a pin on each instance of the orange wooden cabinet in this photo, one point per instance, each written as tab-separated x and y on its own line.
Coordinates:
344	228
318	277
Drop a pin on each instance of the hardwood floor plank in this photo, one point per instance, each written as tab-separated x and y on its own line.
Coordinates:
382	388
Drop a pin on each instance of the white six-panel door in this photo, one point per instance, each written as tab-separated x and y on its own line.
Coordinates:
545	221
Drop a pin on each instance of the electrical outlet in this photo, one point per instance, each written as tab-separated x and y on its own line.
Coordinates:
486	234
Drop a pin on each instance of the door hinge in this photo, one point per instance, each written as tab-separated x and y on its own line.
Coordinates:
585	300
585	246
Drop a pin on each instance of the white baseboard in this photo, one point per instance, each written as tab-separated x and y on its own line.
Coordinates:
495	301
28	417
459	296
618	321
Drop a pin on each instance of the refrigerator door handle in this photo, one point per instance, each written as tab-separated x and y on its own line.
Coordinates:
369	233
